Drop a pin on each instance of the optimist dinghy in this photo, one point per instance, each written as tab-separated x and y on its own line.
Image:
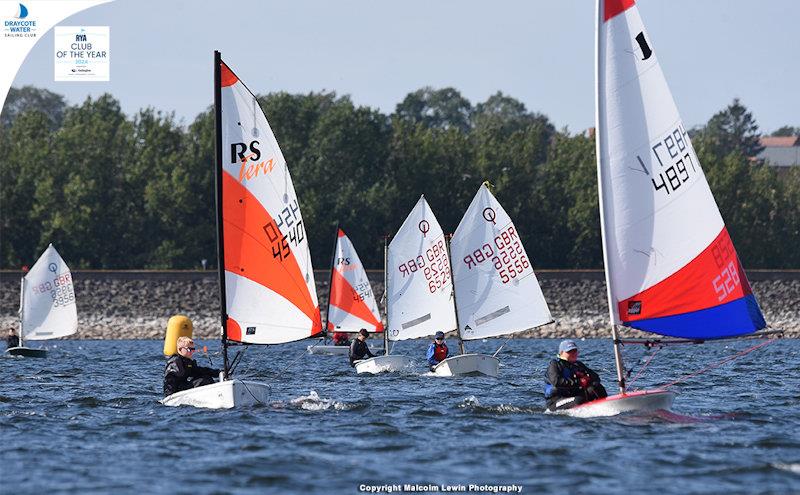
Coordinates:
496	291
418	286
671	268
47	308
267	290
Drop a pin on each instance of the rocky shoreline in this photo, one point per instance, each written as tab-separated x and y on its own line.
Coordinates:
137	306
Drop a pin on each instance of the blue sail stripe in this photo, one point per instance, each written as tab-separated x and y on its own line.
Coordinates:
738	317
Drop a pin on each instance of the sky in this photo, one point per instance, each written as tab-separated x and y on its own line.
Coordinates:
540	52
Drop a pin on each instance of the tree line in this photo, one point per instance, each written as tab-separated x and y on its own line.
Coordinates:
114	192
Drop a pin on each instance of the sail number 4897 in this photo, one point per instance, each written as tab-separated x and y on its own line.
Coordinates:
677	153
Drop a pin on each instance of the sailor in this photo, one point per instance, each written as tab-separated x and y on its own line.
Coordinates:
359	349
12	340
437	351
183	373
340	338
569	382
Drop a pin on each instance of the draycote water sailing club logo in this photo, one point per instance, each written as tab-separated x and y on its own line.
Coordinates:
21	26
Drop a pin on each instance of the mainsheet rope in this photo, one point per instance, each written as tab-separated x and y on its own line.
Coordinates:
645	366
718	364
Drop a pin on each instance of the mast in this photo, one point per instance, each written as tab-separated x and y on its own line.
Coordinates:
21	309
461	349
386	293
330	282
218	200
600	152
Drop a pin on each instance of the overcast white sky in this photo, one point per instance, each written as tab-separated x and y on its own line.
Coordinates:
538	51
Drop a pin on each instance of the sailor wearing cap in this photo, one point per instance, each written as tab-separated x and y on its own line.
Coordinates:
569	382
437	351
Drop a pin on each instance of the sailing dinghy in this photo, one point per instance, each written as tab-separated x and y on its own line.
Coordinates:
351	302
671	268
47	308
418	286
496	290
267	290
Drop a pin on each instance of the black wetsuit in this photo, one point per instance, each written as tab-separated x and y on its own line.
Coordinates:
563	381
359	350
182	373
12	341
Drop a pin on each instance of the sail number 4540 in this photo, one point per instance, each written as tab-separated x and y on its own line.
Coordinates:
289	219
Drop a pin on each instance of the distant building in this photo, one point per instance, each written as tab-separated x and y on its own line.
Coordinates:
782	152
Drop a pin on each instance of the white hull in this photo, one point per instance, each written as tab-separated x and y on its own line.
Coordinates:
221	395
333	350
382	364
26	352
468	365
643	401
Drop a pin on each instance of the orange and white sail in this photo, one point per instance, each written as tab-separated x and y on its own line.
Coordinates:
269	291
352	304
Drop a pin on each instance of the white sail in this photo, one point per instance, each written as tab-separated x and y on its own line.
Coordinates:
670	263
497	292
352	303
270	295
48	300
420	291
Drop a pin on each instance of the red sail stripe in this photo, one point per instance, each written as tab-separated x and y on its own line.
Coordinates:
698	285
226	76
345	297
614	7
249	253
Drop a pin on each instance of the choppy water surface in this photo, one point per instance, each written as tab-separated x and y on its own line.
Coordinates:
87	420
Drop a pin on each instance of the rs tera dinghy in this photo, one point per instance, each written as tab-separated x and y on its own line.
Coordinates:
267	290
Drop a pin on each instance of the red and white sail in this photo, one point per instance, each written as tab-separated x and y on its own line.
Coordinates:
352	303
420	289
497	292
270	296
48	299
670	263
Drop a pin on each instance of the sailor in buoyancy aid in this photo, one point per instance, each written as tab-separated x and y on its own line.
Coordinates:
569	382
359	349
437	351
182	372
340	338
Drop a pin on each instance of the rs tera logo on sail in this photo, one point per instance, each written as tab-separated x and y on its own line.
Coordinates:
251	166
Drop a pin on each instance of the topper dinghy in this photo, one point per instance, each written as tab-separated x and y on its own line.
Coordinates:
267	290
47	308
496	291
670	265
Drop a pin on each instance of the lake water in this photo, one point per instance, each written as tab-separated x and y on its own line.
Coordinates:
87	420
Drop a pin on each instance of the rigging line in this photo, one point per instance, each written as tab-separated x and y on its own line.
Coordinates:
641	370
720	363
504	343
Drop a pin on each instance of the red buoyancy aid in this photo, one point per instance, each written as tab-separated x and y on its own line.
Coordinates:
440	351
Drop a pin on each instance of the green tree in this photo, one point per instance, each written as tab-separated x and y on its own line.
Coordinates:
733	130
25	163
437	108
341	180
27	98
786	131
81	202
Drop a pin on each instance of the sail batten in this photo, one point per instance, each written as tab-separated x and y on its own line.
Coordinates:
269	294
497	292
671	266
